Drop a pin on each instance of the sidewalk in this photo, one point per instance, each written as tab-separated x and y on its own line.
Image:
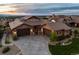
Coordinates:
4	38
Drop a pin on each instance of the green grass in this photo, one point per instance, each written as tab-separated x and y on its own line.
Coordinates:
71	49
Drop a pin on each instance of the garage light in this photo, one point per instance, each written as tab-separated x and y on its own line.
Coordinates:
31	30
14	33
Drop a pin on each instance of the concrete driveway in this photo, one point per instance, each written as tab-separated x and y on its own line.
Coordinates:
33	45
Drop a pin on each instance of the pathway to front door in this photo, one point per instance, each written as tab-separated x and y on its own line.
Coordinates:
33	45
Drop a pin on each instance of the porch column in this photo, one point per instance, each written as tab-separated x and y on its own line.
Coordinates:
75	25
31	31
42	31
14	34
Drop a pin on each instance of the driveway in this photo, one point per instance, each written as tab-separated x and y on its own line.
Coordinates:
33	45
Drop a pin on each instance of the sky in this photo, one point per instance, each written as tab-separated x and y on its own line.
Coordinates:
40	9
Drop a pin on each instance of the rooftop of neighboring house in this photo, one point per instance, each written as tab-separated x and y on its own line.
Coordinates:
75	19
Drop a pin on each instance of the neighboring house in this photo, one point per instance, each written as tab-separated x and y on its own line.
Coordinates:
72	21
55	17
75	20
68	21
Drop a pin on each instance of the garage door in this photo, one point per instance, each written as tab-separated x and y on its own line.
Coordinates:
23	32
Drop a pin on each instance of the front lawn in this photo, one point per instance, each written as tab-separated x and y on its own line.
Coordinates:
71	49
10	50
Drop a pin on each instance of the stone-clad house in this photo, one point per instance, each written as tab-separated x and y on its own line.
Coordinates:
72	21
75	21
35	26
30	26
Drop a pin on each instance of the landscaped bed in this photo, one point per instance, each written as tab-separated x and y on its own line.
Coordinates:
8	40
71	49
10	50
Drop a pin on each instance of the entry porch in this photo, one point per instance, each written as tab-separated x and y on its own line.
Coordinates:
25	31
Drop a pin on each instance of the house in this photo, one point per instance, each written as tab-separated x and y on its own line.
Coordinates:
72	21
75	20
30	26
55	17
35	26
68	20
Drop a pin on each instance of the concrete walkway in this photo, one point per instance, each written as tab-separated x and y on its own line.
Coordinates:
4	38
33	45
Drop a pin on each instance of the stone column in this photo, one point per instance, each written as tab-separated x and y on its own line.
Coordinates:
31	31
14	34
75	25
42	31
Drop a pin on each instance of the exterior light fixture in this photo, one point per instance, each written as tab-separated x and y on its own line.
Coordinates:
14	33
31	30
53	21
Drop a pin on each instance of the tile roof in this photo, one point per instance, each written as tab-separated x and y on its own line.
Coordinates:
15	24
58	26
33	23
75	19
51	25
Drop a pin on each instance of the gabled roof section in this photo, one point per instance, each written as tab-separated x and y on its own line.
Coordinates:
32	18
35	23
36	17
47	27
26	17
15	24
59	26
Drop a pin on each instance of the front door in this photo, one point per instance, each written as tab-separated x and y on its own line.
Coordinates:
37	30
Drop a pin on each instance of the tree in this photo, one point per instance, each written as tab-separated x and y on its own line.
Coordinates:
53	36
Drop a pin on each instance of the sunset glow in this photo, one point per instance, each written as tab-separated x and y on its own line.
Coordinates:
7	9
39	9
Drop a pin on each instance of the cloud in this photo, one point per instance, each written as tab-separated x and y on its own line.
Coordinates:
45	8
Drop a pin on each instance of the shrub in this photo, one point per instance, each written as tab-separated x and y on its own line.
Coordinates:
53	36
14	38
5	50
61	38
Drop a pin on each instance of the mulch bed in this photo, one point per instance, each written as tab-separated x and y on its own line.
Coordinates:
13	50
